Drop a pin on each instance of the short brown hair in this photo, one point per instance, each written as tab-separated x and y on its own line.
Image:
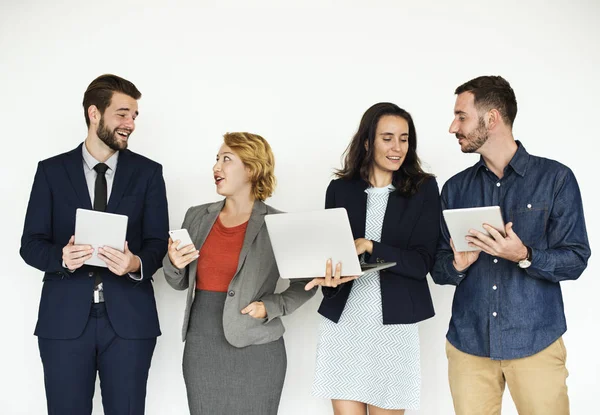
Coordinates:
492	92
100	92
255	152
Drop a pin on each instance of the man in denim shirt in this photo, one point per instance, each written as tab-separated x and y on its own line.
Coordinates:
507	315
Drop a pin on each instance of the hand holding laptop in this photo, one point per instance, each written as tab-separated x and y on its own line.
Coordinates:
330	280
302	241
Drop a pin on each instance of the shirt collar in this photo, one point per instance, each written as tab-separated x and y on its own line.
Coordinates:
91	161
518	162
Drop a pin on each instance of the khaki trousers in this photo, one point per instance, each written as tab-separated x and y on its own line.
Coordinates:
537	383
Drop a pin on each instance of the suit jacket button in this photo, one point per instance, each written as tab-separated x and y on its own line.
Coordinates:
90	274
231	293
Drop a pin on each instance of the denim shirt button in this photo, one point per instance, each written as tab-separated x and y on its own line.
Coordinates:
494	314
495	260
498	184
494	288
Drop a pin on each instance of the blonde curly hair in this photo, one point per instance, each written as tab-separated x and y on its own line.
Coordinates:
256	154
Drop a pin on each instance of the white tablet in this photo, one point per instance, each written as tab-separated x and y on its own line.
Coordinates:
460	221
100	229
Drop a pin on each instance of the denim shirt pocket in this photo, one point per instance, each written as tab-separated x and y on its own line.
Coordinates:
529	222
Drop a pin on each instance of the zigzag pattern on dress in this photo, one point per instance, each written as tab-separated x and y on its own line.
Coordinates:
359	358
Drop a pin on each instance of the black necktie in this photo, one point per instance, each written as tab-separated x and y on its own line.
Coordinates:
100	196
100	187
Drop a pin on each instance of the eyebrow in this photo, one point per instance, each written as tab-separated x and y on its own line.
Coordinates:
127	109
393	134
457	112
226	152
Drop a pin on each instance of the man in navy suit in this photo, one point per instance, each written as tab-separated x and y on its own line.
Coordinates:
95	319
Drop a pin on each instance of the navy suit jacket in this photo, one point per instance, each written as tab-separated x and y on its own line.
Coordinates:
59	188
409	237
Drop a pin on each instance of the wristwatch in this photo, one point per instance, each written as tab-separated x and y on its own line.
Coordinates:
526	263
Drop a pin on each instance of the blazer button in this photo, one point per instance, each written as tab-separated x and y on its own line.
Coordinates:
90	274
231	293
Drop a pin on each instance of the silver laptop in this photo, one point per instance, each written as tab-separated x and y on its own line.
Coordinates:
460	221
302	243
100	229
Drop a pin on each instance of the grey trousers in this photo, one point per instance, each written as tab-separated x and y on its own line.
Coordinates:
225	380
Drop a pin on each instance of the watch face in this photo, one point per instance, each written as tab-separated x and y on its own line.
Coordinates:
525	263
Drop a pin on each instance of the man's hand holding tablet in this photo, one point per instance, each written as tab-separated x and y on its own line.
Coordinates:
473	230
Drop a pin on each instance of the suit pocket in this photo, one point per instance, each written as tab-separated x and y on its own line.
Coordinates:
53	277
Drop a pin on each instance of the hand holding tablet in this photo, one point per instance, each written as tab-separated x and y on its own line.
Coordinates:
460	221
100	229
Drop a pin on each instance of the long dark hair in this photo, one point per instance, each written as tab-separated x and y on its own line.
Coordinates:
358	159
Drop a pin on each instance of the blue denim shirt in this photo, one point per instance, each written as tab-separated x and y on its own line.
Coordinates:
499	310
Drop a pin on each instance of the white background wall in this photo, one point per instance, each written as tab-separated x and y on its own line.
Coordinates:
301	75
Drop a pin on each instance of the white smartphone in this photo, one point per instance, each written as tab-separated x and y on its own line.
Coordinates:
183	236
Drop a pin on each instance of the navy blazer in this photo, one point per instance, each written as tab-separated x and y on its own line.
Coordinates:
409	238
59	188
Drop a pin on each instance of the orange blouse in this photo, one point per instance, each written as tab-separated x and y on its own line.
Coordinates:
219	256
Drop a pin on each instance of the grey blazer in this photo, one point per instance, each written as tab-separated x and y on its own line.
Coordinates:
255	279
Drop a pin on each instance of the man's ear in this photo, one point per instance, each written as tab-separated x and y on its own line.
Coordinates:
94	114
493	119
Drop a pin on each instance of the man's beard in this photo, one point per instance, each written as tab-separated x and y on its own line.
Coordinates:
475	139
110	137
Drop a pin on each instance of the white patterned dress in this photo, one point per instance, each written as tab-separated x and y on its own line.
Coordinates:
359	358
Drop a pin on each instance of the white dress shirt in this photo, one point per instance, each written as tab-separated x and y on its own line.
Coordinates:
89	162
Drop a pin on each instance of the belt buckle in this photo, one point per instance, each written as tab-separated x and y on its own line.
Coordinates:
98	296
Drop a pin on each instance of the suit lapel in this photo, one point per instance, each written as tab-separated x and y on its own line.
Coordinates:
359	209
74	166
394	212
204	223
123	175
256	222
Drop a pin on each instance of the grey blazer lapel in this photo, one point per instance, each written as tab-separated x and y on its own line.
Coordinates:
255	223
202	224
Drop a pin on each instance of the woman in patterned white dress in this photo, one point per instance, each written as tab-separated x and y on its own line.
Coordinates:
368	351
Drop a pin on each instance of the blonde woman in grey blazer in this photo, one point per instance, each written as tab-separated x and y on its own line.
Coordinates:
234	360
